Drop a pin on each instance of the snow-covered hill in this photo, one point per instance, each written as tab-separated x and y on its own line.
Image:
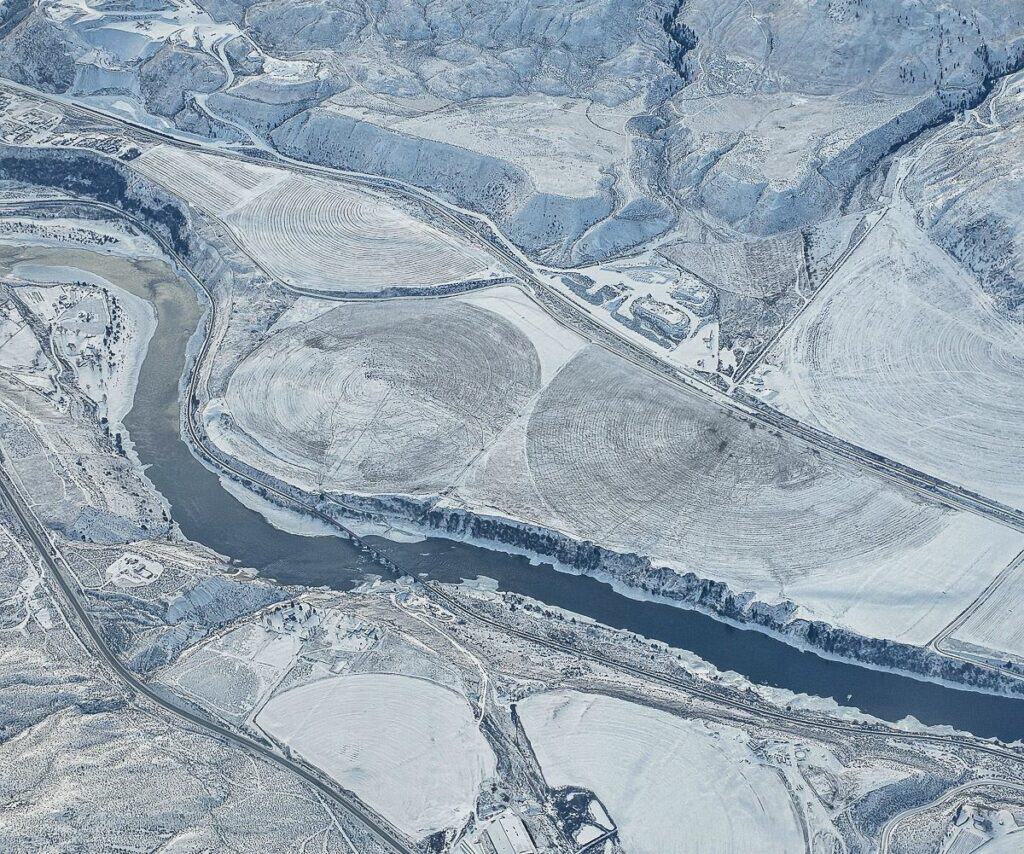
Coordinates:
583	129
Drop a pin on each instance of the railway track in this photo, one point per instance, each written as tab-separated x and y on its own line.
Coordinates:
694	689
75	611
386	836
482	233
390	838
198	441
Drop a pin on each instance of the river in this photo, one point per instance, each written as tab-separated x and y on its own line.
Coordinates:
208	514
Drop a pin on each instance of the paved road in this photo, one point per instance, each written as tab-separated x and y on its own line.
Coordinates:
482	233
935	489
392	840
885	843
211	454
69	601
938	643
198	440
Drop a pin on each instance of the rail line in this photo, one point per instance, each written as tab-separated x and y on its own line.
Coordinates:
688	687
197	439
481	232
388	837
68	597
393	841
197	436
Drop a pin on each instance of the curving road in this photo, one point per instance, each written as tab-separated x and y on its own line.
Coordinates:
390	838
198	441
885	843
68	599
481	232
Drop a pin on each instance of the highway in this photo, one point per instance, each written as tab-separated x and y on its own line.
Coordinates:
572	316
68	599
482	233
198	440
197	436
389	837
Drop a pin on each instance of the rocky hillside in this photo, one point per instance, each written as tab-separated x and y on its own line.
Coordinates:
584	129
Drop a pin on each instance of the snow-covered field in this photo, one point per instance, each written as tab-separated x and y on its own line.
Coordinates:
997	624
219	185
616	458
396	396
1009	843
482	398
756	268
670	784
406	746
21	357
565	145
233	673
555	344
313	233
904	354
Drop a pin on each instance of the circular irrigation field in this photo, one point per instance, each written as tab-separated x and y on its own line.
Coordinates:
320	236
390	397
408	747
670	783
630	462
905	359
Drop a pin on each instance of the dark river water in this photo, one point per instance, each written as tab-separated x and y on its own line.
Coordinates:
210	515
